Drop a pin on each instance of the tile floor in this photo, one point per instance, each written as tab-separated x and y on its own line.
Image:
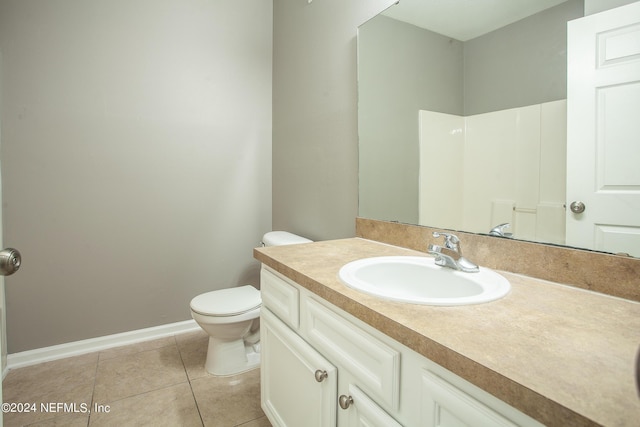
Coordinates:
155	383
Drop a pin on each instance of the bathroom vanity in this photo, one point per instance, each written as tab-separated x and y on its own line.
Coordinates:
546	354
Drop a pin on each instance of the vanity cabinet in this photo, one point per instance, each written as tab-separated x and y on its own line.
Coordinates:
323	367
321	380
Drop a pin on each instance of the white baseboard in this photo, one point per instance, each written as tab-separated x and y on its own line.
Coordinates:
46	354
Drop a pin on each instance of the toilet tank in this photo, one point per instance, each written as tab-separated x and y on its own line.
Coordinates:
281	238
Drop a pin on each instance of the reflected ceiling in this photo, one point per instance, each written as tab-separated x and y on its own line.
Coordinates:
466	19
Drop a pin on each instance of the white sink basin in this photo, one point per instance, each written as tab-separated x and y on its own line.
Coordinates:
418	280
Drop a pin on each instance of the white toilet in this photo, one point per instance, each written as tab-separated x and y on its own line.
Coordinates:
231	317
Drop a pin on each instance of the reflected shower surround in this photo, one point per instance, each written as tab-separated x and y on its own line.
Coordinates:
492	163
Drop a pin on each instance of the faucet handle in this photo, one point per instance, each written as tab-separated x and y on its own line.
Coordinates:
450	240
498	230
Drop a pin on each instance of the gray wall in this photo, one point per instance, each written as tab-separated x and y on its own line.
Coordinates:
315	139
524	63
401	69
136	159
595	6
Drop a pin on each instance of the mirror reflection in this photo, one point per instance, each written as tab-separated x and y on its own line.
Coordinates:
462	117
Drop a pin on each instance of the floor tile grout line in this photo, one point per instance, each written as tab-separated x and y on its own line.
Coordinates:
184	366
93	389
164	387
139	351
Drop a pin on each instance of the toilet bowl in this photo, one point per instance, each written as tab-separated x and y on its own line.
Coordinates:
231	317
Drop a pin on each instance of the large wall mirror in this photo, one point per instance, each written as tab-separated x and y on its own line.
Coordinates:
462	116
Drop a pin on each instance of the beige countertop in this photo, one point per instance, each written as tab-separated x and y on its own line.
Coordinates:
562	355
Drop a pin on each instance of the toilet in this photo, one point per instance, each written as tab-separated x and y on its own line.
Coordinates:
231	317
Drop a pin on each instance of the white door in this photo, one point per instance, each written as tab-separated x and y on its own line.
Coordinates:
3	347
603	131
9	263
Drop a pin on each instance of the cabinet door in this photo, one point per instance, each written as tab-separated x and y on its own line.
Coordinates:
291	394
444	405
375	366
364	412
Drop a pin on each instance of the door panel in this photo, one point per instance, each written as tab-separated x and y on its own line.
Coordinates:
603	132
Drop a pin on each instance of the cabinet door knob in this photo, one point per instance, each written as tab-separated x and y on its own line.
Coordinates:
321	375
345	401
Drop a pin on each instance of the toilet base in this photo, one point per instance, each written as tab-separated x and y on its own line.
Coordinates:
225	358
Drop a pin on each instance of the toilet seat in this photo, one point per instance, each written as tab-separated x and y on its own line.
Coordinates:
227	302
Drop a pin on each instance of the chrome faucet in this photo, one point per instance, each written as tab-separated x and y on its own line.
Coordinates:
498	230
450	255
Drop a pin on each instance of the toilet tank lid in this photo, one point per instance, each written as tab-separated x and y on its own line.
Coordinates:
280	238
227	302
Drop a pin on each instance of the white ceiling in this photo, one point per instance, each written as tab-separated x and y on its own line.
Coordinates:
466	19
